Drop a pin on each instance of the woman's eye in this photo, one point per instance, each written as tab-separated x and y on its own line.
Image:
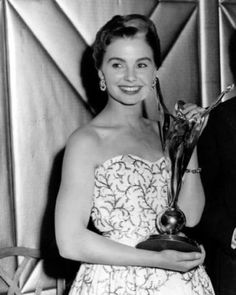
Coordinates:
142	65
116	65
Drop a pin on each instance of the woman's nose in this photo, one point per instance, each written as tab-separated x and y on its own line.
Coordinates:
130	74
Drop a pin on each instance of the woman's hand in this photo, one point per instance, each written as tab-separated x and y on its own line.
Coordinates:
190	111
181	261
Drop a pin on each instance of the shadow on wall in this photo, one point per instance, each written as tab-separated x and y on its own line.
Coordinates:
54	265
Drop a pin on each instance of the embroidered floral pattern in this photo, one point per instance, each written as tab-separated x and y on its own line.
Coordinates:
129	192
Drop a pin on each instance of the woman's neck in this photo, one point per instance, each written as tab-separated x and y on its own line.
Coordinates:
124	114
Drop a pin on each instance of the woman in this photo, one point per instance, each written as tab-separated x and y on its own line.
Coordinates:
114	172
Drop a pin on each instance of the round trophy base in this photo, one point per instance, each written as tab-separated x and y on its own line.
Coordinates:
170	242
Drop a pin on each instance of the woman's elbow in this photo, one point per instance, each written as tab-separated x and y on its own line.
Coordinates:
64	247
70	246
193	219
191	222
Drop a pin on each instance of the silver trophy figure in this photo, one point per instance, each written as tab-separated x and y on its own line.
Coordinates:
179	138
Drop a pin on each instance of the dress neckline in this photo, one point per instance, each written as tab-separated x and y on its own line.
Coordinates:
131	156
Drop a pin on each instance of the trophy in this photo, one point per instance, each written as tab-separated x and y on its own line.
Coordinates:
179	137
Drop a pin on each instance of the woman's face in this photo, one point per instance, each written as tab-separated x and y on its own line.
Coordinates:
129	70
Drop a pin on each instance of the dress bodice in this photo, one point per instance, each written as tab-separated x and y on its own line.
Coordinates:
129	192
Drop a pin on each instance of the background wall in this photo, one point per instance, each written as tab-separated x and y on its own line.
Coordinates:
48	88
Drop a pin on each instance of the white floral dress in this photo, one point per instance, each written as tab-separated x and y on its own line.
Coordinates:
129	193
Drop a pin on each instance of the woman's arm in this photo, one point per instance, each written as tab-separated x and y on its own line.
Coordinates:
75	241
192	199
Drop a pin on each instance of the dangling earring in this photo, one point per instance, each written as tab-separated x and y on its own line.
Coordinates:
154	83
102	84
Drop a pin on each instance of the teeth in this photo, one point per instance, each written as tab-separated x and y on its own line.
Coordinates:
130	88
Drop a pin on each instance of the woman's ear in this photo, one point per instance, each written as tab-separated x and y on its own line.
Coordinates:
100	74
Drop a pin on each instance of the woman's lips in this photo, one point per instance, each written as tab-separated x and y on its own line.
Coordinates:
130	89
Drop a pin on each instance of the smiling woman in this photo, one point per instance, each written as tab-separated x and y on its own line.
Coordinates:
114	172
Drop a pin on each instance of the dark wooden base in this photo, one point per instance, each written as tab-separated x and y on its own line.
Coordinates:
170	242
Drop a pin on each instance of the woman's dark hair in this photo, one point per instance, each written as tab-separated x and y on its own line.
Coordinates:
126	26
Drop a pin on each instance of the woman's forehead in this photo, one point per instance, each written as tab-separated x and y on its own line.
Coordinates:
128	46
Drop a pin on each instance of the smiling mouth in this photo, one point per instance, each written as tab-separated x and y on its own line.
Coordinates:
130	89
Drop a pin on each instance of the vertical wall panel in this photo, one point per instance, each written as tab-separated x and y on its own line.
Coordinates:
209	51
41	101
6	216
179	73
7	219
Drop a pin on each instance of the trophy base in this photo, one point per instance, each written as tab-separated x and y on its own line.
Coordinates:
170	242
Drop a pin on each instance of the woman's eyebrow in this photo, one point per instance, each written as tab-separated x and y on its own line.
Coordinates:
116	58
144	58
123	60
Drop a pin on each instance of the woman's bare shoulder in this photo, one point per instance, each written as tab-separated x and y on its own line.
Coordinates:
83	142
84	135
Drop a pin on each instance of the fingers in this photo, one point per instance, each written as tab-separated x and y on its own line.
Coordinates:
233	241
189	256
233	244
189	265
181	234
202	249
183	261
191	260
191	111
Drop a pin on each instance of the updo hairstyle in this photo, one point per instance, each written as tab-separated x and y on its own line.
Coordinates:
126	26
